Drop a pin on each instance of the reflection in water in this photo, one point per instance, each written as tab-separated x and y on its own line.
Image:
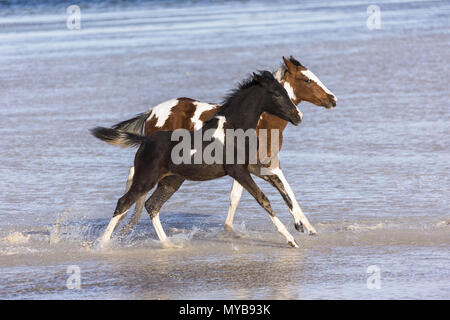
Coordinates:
371	174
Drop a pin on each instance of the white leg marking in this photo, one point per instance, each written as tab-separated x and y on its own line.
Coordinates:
110	228
159	229
162	235
282	229
115	220
235	196
296	211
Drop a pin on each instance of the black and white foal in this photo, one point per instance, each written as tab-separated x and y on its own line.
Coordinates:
154	163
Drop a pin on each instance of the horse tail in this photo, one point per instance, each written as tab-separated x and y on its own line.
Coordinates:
117	137
133	125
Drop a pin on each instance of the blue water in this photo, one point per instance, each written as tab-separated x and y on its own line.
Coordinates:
372	175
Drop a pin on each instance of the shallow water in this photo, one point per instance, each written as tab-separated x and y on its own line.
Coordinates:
371	174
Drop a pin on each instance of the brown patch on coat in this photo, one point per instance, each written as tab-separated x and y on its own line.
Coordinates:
271	122
179	118
205	116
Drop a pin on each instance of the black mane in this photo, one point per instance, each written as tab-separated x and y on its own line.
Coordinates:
245	84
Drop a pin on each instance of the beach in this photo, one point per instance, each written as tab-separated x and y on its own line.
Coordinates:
371	175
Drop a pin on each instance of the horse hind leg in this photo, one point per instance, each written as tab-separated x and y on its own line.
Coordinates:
235	197
135	217
137	190
116	219
137	210
166	188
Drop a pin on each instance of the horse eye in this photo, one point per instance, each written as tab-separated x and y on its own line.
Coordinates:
308	80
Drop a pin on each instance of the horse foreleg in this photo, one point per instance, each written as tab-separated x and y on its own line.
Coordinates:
242	175
280	183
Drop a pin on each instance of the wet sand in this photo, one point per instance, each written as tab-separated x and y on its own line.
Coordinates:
371	174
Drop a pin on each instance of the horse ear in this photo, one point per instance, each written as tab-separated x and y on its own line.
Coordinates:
289	65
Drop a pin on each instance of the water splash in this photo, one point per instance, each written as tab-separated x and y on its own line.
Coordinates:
16	238
55	231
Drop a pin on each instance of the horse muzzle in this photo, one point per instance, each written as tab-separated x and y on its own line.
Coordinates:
296	118
331	103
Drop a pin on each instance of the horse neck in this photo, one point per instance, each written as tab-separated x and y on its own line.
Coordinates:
269	121
245	111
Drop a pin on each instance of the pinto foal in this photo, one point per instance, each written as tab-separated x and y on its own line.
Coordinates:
301	85
154	163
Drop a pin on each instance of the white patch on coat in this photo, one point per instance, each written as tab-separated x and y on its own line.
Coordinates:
220	132
287	86
279	73
162	112
289	90
200	107
314	78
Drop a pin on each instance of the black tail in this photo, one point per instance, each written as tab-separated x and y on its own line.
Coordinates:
134	125
118	137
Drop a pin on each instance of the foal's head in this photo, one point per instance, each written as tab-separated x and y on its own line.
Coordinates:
304	85
276	100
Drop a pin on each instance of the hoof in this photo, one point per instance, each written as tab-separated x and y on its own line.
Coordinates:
87	245
229	229
293	244
170	245
100	243
299	227
309	230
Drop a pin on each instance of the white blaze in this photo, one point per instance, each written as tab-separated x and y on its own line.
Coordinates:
314	78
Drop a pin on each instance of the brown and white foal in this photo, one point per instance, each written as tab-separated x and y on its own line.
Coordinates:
154	162
301	85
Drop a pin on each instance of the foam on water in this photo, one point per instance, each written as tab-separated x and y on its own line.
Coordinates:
371	174
16	237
